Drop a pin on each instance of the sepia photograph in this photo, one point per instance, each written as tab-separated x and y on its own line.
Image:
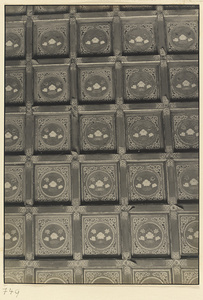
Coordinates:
101	145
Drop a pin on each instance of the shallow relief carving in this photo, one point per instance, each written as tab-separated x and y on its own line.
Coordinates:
189	234
52	85
143	132
53	235
141	83
14	236
95	38
99	182
52	133
96	84
14	184
15	40
97	133
50	39
14	133
150	235
52	183
146	182
182	36
101	235
138	38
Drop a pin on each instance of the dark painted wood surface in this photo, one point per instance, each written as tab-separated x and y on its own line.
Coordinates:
101	135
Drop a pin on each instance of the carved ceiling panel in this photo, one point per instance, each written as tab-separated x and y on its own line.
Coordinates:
101	144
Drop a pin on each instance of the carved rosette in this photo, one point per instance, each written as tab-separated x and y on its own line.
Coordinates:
14	133
51	38
187	180
184	82
15	40
51	85
189	234
150	234
52	133
99	182
140	84
182	36
14	236
143	132
186	131
44	9
190	276
15	86
138	38
53	235
95	39
52	183
100	235
97	132
14	275
146	182
102	276
14	184
54	276
96	84
152	276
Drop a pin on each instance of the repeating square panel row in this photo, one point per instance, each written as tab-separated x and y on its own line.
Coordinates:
95	38
102	276
141	82
101	235
100	182
98	131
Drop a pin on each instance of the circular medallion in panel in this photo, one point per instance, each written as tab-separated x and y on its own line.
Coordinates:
53	236
52	184
12	135
141	84
95	40
98	133
183	37
191	234
13	44
13	88
96	86
52	87
146	183
52	41
12	185
102	280
99	183
189	181
54	280
53	134
152	280
188	131
185	83
12	236
100	236
149	235
143	133
139	39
